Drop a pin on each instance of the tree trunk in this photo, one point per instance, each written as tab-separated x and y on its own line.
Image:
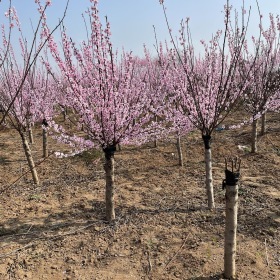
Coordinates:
29	158
208	168
45	143
156	141
254	136
64	113
179	149
230	231
110	183
30	134
263	127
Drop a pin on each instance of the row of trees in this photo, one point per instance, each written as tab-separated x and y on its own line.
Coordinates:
117	98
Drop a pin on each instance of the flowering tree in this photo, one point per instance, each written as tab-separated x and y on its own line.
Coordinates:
18	79
175	109
30	52
6	43
264	84
211	88
20	114
107	95
44	106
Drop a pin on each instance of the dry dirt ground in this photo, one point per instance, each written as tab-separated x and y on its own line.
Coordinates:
163	230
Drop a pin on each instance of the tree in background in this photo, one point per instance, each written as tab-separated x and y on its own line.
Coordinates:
30	50
212	84
18	78
263	86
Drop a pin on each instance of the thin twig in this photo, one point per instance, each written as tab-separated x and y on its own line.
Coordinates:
266	254
181	247
149	261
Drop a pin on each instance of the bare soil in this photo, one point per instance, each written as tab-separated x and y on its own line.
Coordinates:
163	230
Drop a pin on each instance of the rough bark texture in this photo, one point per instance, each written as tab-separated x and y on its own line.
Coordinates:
263	127
254	136
179	149
29	158
209	179
230	231
30	134
45	143
110	187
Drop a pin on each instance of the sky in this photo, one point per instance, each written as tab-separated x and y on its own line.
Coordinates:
132	21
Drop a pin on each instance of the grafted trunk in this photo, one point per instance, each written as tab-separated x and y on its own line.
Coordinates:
254	136
29	158
230	231
263	126
179	149
231	224
45	143
110	182
208	168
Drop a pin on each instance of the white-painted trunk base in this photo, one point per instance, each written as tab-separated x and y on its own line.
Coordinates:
209	179
230	231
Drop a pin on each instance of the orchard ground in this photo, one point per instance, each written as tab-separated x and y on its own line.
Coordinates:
163	230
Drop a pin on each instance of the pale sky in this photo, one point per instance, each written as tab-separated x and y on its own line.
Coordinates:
132	20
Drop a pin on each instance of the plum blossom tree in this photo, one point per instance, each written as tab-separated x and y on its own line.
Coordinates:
211	88
261	92
107	94
155	69
175	111
20	115
44	105
30	50
165	105
18	79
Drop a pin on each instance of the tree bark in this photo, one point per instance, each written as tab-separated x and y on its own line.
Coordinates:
45	143
156	141
30	134
263	126
254	136
179	149
29	158
109	168
230	231
64	113
208	168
